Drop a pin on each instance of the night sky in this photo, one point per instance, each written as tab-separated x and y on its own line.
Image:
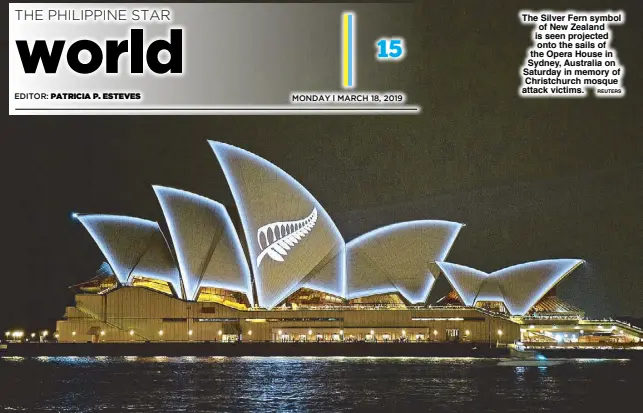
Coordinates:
532	179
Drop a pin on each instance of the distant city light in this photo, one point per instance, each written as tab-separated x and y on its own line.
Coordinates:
372	332
56	335
310	332
73	333
403	332
532	326
341	332
499	332
160	332
220	332
280	332
102	333
131	332
34	335
435	332
190	332
467	332
45	333
249	332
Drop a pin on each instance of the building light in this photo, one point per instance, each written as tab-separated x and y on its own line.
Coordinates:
532	326
34	334
249	332
220	332
372	332
56	335
102	333
467	332
341	332
499	332
131	332
189	332
160	332
403	332
45	333
621	331
73	333
582	331
435	332
310	332
280	332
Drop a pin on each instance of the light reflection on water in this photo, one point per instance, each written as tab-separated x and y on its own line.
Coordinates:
199	384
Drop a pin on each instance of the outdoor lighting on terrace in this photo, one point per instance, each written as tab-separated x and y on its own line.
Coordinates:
532	326
280	332
56	335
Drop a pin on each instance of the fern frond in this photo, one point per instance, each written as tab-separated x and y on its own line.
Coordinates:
280	237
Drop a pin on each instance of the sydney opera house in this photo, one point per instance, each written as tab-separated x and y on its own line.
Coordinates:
286	274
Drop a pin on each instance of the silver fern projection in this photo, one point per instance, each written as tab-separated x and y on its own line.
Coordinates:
281	236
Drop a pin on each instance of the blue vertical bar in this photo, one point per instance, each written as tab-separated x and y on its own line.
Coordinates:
350	50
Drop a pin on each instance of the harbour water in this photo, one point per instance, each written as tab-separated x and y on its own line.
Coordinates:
309	384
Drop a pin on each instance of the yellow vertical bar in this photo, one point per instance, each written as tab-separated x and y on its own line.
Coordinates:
345	42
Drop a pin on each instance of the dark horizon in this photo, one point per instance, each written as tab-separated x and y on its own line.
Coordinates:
531	178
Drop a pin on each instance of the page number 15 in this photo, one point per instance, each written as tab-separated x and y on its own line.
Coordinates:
390	48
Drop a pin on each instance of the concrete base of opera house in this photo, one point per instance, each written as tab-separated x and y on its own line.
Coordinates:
255	349
476	350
